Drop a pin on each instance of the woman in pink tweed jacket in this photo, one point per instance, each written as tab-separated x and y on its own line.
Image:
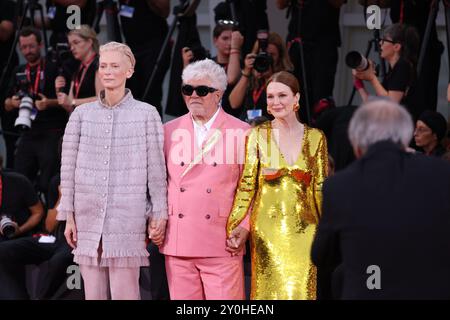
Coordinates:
113	181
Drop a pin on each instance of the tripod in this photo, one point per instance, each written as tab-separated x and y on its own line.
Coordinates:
184	8
112	22
300	5
31	7
426	38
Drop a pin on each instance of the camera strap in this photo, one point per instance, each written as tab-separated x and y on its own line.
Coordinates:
80	77
39	74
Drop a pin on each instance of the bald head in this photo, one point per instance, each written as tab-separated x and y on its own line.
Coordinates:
380	120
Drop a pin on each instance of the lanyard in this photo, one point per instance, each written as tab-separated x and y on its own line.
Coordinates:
78	79
402	9
37	79
257	94
1	190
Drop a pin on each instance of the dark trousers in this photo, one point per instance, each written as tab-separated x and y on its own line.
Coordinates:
158	278
38	153
15	254
145	63
320	65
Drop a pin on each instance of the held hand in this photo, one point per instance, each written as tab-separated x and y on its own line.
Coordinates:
236	241
157	231
42	103
71	233
236	40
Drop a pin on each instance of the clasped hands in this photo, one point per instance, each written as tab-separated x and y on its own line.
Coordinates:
236	240
157	230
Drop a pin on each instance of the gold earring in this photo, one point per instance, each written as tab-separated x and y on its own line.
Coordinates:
268	111
296	107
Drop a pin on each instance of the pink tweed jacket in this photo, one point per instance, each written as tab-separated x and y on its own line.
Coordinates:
113	178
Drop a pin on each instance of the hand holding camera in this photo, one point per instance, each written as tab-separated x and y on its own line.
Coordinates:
368	74
15	101
42	103
249	63
64	100
60	83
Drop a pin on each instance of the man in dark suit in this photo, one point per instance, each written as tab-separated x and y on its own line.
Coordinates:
384	233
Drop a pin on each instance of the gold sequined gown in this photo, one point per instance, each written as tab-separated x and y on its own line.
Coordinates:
285	211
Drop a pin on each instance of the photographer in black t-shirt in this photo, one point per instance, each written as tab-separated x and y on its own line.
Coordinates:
19	203
37	149
15	254
399	47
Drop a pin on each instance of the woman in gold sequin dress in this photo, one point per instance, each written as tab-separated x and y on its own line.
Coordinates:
285	166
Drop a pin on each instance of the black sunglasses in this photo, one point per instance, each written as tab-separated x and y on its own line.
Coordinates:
201	91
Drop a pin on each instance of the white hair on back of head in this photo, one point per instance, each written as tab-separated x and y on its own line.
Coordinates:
208	69
379	120
119	47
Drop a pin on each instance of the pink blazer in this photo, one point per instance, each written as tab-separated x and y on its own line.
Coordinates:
202	184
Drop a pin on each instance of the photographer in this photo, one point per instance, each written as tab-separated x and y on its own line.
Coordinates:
18	203
319	33
33	88
399	47
249	93
15	254
84	84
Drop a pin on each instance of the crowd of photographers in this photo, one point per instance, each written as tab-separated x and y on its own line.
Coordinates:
40	94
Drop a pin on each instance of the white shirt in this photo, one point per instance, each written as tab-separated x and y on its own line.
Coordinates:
201	131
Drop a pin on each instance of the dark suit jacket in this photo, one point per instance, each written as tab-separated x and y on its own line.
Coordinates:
390	209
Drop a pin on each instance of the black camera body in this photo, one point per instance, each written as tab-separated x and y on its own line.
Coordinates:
26	107
7	226
263	60
59	54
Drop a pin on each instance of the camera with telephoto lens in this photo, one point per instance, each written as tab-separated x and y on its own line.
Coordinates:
357	61
263	60
26	107
7	226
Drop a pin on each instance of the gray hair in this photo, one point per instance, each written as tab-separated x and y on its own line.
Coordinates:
208	69
378	120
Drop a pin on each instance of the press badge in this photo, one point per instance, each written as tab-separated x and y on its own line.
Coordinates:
126	11
254	113
51	13
34	113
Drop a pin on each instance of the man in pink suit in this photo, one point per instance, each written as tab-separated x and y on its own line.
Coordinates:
204	150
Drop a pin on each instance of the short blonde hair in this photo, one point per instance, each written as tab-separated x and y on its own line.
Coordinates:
85	32
120	47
